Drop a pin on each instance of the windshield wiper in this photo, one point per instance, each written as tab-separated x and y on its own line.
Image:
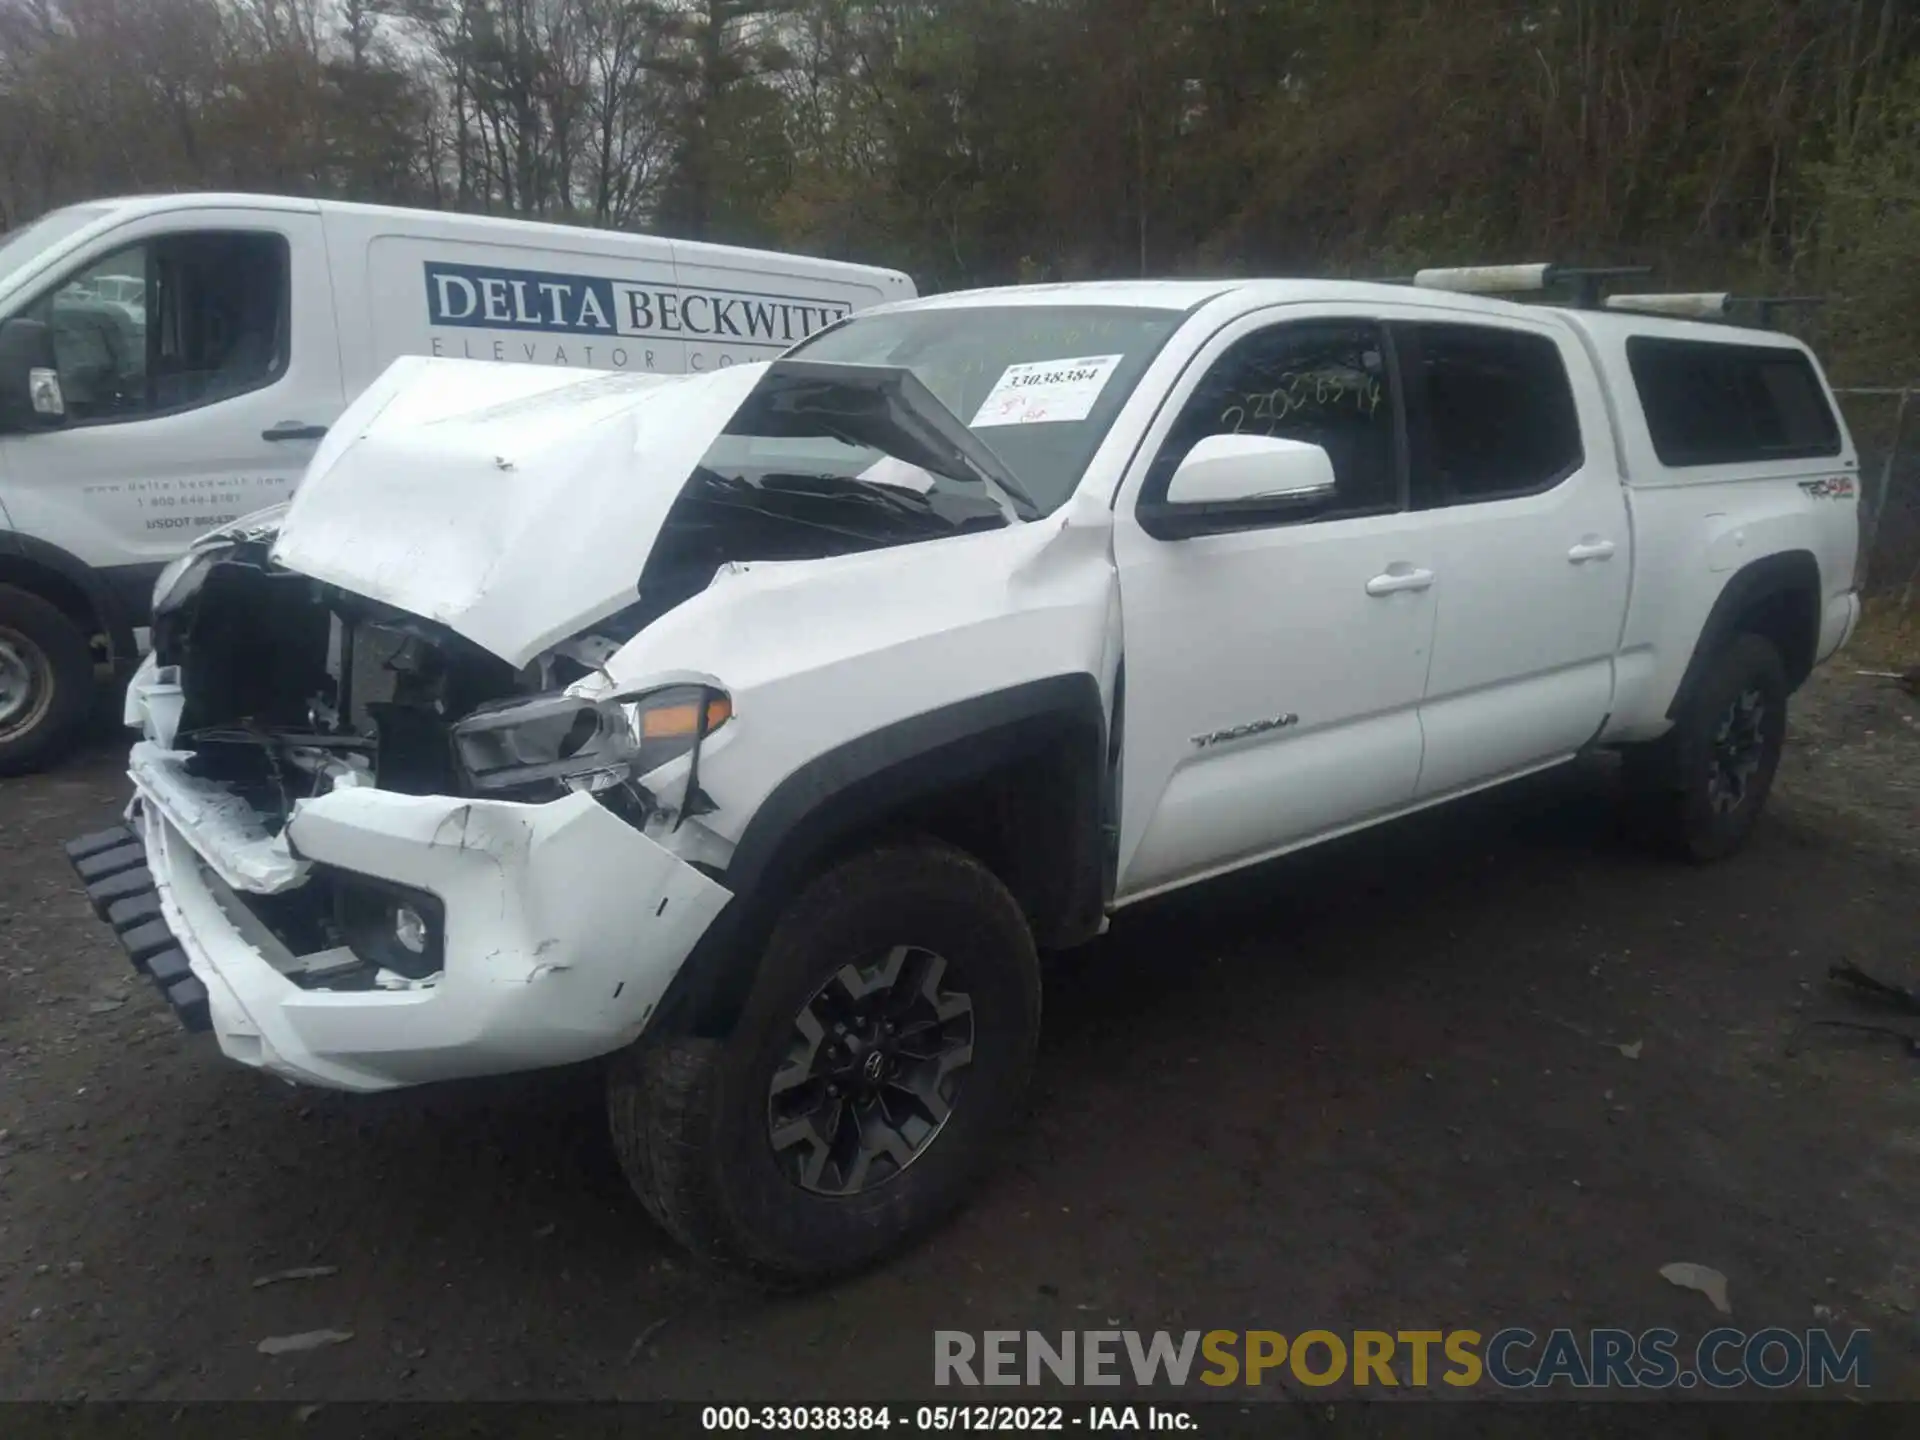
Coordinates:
733	493
883	407
852	487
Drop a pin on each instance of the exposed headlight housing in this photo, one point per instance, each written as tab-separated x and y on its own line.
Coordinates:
183	575
169	579
584	744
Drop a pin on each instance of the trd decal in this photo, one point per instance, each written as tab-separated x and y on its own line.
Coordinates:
1834	487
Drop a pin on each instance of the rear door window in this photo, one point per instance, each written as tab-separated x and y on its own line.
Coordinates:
1490	412
1713	404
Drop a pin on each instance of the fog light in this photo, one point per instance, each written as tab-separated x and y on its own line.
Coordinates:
393	927
409	929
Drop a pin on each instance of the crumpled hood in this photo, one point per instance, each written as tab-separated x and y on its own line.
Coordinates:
515	504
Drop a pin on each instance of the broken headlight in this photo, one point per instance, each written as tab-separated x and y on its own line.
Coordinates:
584	744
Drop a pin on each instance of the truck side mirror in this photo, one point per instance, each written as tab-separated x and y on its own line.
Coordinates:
1235	469
1228	480
30	397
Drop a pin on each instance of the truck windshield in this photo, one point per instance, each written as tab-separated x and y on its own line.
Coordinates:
1039	385
17	247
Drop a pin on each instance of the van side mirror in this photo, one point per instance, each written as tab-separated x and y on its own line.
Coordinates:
30	397
1227	479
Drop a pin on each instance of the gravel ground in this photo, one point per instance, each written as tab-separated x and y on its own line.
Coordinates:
1377	1086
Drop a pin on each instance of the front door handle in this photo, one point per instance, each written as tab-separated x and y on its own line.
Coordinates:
1399	578
294	430
1592	548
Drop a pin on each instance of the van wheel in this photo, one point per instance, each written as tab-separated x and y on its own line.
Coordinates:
880	1057
1699	790
46	681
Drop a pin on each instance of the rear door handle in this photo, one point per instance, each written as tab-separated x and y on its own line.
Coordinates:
294	430
1399	578
1591	549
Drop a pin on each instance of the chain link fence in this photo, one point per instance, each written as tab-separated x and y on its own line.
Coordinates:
1885	421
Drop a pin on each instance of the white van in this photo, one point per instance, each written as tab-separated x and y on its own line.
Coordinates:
168	363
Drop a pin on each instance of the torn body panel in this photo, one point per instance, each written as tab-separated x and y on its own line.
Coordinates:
816	652
529	511
411	816
560	926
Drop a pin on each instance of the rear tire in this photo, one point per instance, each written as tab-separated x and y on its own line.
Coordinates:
1698	791
798	1156
46	681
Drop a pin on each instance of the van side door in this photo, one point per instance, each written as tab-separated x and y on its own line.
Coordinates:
199	368
1513	465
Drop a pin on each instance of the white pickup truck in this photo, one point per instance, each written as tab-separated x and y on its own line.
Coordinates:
759	729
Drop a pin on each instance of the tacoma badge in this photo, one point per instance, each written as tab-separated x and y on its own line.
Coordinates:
1240	732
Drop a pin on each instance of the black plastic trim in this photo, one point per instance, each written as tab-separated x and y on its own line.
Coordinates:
103	591
1789	573
132	589
101	864
857	784
99	840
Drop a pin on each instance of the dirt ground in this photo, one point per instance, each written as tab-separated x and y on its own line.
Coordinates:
1379	1086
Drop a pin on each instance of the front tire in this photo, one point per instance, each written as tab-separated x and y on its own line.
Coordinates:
881	1056
46	681
1699	791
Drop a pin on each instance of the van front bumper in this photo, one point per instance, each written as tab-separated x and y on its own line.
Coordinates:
561	926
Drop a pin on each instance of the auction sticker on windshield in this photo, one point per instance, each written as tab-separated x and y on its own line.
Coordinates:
1046	391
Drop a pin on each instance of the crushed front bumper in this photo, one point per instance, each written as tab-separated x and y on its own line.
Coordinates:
562	927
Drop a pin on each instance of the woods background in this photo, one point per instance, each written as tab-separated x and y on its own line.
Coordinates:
1768	145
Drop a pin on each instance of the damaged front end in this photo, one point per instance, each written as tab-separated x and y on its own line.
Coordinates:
393	820
367	853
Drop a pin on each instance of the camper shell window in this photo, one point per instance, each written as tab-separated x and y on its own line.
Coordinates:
1708	403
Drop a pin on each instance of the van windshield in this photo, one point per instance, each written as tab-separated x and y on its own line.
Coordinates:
17	247
1039	385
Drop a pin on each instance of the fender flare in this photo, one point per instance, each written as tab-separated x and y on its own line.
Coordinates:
856	785
1771	577
110	614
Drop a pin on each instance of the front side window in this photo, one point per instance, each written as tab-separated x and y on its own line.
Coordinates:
1323	382
1039	385
100	344
1490	412
170	324
1714	404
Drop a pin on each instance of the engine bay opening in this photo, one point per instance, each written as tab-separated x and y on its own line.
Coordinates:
290	686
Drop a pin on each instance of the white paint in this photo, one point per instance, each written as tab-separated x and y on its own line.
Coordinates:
517	503
1227	468
137	491
226	830
1704	306
1046	391
1530	601
1484	279
1422	655
564	926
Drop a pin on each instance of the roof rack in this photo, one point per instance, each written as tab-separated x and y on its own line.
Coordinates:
1710	305
1587	280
